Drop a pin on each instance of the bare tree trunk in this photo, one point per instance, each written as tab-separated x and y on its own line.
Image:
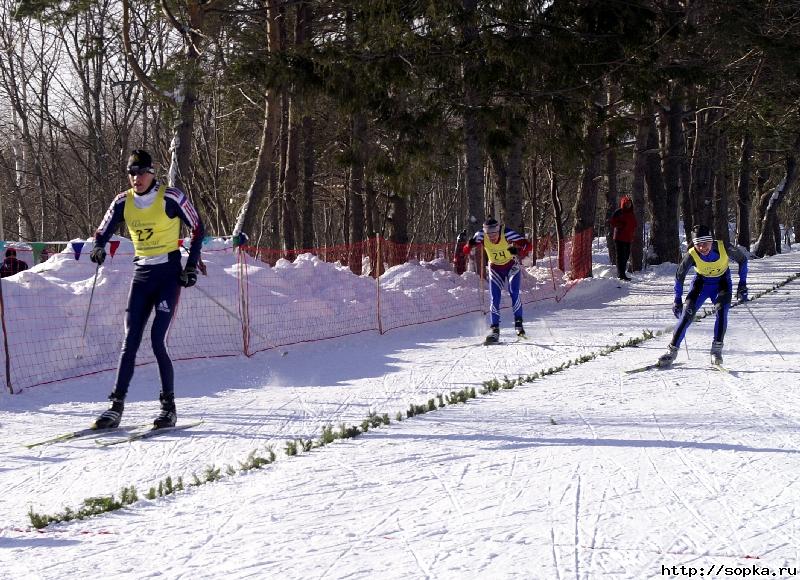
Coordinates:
472	146
656	194
687	212
743	194
370	209
675	159
514	215
776	232
558	214
534	199
397	218
17	82
272	214
586	203
765	245
182	143
308	182
638	183
248	215
185	101
612	193
358	145
721	227
291	178
23	158
500	186
663	209
303	34
763	174
703	165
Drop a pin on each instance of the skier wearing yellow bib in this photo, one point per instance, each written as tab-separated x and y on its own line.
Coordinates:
504	248
153	214
710	259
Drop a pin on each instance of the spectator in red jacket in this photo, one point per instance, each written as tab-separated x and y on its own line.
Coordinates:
11	265
624	223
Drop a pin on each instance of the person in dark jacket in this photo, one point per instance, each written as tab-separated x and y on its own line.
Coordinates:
153	213
11	265
624	223
710	259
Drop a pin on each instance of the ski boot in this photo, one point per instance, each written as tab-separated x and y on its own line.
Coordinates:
518	327
168	415
668	357
716	352
111	417
494	335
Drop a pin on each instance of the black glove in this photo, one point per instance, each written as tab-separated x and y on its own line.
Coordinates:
188	277
741	292
472	243
677	308
513	250
462	237
98	255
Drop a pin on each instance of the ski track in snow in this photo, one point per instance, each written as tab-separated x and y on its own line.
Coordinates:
586	474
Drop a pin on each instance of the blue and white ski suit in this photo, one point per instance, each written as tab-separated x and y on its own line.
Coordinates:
503	269
712	282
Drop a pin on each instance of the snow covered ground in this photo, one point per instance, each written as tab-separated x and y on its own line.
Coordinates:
587	473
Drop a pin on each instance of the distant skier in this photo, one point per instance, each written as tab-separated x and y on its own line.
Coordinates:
710	259
504	248
153	214
624	222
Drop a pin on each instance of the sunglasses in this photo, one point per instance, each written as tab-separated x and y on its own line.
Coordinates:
138	170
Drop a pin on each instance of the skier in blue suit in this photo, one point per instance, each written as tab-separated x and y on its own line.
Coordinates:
504	248
710	259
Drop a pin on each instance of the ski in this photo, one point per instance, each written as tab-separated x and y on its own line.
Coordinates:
642	369
145	434
81	434
720	368
651	366
517	340
499	342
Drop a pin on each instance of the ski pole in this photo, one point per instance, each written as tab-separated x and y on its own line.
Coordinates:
88	310
762	329
233	315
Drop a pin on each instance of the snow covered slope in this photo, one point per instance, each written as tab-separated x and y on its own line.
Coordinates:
588	473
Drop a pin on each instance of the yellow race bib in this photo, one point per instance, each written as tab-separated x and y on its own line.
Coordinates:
153	232
498	253
713	269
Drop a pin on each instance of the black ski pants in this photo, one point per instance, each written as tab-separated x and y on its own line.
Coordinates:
623	255
154	286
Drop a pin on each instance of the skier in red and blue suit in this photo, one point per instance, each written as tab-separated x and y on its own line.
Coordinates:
153	214
504	248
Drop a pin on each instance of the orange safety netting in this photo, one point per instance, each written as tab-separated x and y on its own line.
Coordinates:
253	299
